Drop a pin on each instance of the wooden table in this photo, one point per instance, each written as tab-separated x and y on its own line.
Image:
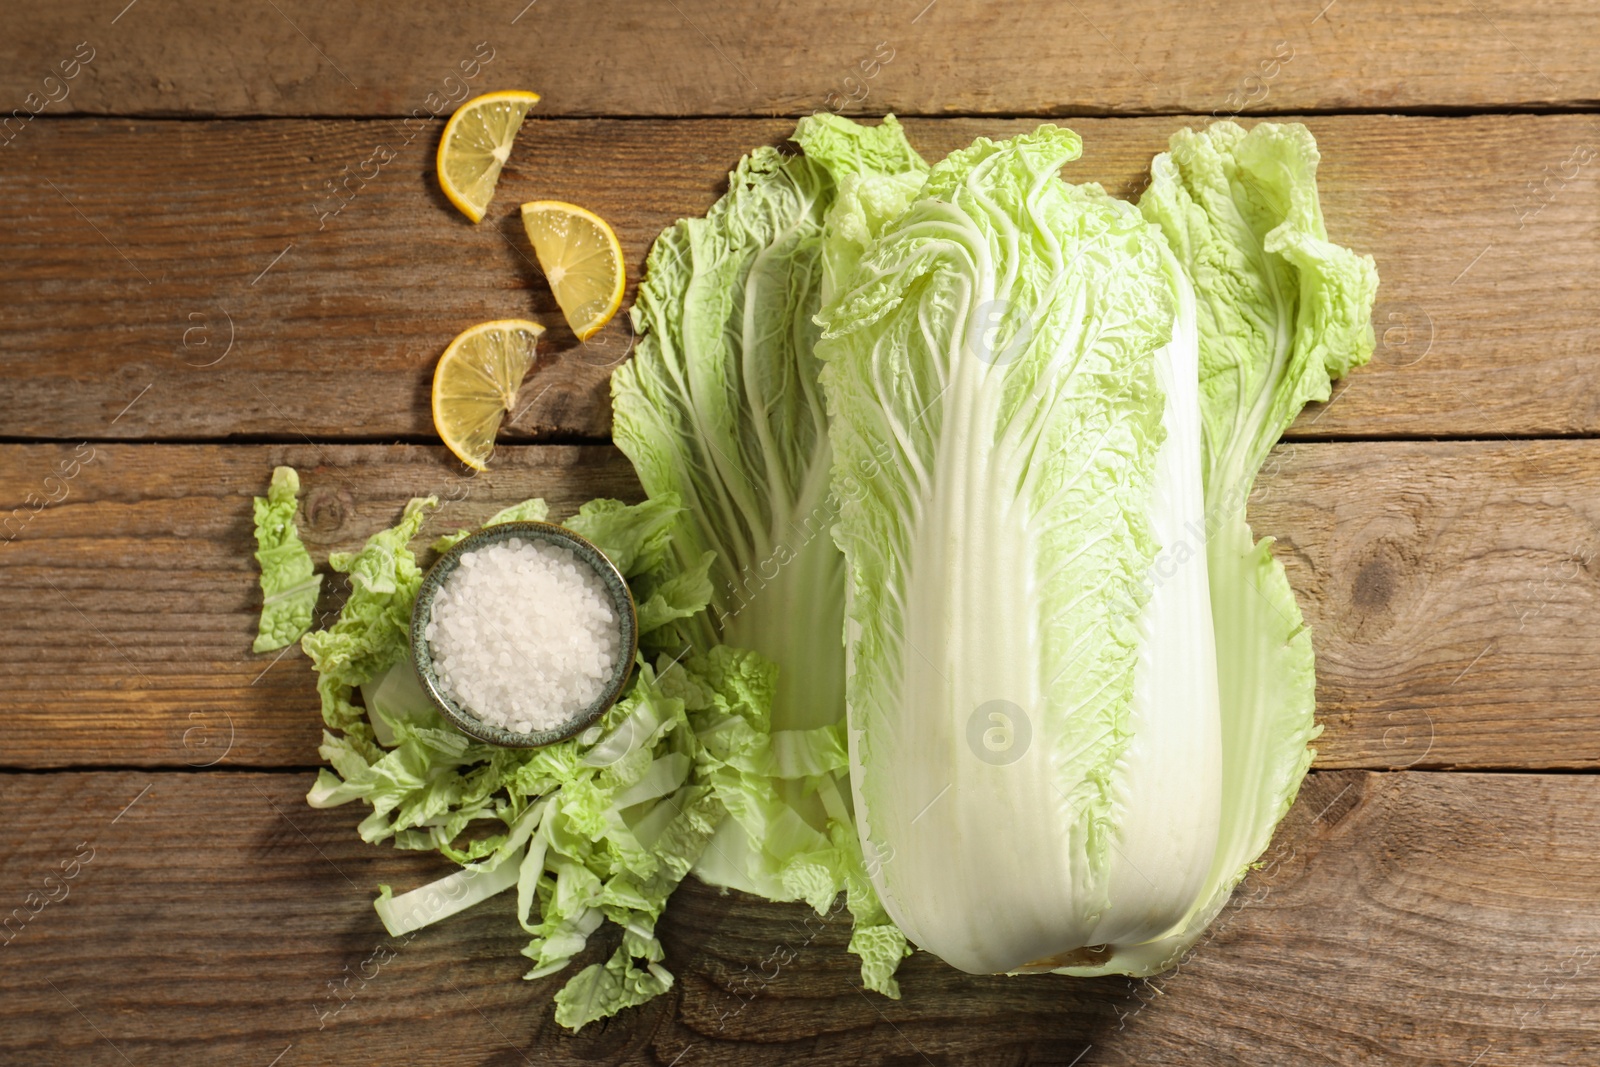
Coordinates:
224	249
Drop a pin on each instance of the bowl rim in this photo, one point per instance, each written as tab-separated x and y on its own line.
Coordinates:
421	652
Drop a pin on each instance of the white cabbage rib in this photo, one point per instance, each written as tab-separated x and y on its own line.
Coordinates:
1174	758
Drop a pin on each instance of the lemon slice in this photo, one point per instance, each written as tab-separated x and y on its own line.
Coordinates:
476	383
476	142
580	258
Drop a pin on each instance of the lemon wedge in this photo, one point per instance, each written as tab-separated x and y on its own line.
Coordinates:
581	259
476	143
476	383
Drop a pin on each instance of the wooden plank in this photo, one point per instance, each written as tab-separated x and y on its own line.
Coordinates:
206	233
1408	919
1450	588
140	585
295	57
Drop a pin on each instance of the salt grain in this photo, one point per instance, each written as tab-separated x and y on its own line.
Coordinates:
524	635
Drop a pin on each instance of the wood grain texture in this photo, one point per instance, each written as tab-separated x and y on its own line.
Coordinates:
698	57
1451	589
139	591
220	226
1400	919
136	251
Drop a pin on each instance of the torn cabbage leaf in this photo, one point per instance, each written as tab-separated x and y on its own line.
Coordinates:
289	584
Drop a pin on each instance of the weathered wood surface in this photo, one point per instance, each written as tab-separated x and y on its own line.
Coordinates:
179	279
1451	588
280	266
1399	919
139	592
698	57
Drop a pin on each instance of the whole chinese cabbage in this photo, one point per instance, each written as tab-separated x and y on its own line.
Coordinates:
1079	692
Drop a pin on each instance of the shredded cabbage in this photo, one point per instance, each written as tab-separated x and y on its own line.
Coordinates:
602	827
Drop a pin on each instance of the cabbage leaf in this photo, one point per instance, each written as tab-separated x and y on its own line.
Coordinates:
1281	312
720	407
289	583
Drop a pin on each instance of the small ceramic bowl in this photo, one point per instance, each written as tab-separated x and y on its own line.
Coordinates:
422	653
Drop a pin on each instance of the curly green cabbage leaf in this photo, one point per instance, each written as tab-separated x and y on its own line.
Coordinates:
289	584
720	407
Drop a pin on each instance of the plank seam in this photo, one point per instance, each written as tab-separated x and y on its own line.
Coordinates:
579	441
162	768
1446	111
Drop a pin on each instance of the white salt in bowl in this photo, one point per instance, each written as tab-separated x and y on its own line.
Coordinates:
437	676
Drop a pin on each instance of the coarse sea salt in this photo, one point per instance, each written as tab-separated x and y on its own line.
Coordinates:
524	635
